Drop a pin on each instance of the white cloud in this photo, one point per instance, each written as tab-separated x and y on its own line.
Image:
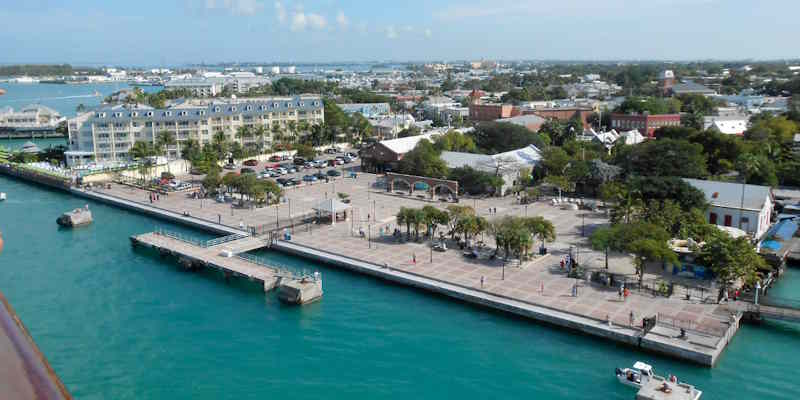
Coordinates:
280	12
342	20
428	33
391	33
317	21
301	20
235	7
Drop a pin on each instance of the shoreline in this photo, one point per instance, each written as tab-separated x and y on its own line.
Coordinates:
660	343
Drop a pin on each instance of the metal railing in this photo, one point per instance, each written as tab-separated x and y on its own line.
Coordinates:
280	270
180	237
224	239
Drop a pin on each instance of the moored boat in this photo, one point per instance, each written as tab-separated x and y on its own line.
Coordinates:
76	217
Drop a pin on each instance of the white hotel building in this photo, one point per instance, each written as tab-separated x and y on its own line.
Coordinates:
109	132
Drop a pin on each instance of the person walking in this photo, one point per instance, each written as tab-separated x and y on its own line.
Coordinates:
414	258
481	281
631	318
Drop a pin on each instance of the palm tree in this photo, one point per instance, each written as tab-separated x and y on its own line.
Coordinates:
541	228
291	127
277	133
142	151
164	139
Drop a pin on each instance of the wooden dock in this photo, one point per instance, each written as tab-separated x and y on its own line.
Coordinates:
223	254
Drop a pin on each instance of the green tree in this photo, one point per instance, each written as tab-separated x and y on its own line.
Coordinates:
647	242
664	157
305	151
499	137
456	214
212	180
731	259
454	141
423	160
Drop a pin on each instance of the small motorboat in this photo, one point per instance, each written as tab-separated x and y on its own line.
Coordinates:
636	376
2	196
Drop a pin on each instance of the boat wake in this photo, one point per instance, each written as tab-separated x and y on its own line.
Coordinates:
80	96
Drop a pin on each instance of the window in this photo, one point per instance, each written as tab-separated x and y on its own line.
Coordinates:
728	220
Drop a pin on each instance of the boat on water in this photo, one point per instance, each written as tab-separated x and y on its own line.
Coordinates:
76	217
2	196
650	385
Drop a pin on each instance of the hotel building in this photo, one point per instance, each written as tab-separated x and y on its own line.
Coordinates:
109	132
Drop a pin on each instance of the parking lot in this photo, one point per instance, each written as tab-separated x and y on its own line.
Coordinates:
286	172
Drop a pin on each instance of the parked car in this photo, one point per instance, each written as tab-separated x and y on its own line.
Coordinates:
308	165
339	161
331	150
320	175
248	171
289	182
292	170
299	161
250	163
281	170
281	181
230	166
309	178
333	172
275	158
284	157
347	160
332	163
352	155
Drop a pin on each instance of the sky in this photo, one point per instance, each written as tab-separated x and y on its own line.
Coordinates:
177	32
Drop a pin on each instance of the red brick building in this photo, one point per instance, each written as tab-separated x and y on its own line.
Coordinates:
563	114
646	124
491	112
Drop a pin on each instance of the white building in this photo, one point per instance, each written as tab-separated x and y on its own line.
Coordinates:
729	125
200	87
506	165
747	207
108	133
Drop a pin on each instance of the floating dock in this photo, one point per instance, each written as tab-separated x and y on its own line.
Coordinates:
226	254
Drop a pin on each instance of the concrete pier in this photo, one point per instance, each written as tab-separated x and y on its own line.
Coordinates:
223	254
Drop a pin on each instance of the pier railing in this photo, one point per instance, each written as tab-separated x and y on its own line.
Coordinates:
197	242
280	270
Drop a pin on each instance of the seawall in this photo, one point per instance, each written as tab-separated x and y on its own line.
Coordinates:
631	337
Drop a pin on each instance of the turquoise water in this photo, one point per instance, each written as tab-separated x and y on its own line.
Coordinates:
62	98
43	143
119	323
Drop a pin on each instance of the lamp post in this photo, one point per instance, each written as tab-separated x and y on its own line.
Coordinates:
526	210
583	225
503	276
369	236
758	288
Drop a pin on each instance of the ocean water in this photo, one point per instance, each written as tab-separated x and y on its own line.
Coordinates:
63	98
123	323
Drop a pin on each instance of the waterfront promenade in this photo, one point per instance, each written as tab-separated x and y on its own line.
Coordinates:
538	285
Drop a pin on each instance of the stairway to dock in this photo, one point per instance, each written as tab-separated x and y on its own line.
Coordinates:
227	255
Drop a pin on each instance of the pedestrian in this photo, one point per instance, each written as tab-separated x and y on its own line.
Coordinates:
481	281
562	263
495	210
541	288
631	318
158	197
620	293
414	258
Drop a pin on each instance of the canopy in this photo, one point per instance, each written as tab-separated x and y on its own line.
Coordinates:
331	206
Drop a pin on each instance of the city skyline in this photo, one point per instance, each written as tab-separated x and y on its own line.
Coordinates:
213	31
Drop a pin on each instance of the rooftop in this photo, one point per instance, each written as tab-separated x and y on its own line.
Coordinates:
731	195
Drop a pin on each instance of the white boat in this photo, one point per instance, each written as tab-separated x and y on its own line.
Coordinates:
636	376
649	385
2	196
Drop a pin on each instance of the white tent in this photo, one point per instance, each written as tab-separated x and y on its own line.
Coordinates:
331	207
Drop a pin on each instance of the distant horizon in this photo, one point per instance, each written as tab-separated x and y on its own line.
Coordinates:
95	32
250	64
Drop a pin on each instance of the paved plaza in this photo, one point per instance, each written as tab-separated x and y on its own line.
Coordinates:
540	281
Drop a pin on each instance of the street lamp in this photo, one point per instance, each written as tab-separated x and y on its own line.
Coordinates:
758	288
369	236
583	224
